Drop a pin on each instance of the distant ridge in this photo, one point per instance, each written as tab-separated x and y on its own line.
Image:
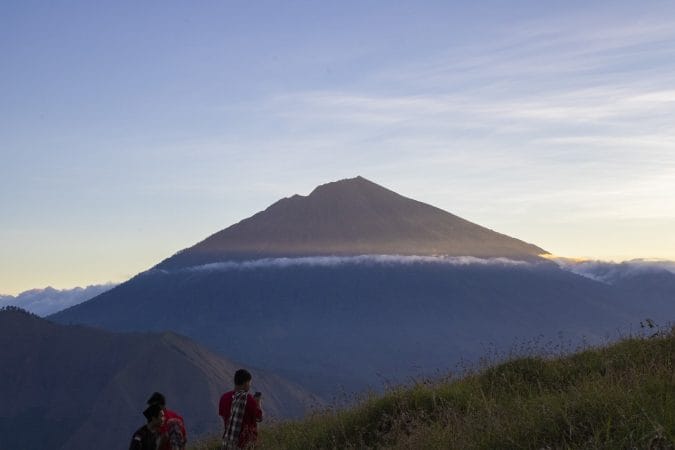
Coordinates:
50	300
352	217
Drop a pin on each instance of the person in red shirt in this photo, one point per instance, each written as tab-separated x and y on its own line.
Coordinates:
242	429
173	435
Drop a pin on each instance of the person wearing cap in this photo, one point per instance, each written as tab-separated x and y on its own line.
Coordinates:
147	437
173	435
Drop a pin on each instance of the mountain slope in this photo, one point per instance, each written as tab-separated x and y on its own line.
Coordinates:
355	322
351	217
73	387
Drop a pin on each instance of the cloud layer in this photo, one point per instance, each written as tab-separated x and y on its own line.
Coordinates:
44	302
611	272
603	271
334	261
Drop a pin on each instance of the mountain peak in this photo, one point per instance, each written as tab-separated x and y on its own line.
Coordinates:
353	216
357	182
357	186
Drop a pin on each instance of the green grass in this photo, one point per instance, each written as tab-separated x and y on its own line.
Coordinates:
618	397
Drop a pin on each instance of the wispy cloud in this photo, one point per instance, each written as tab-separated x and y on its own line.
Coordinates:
580	48
334	261
560	110
608	272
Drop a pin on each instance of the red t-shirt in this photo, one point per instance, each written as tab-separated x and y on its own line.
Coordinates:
172	423
249	424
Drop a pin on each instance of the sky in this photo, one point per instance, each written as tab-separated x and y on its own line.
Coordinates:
129	130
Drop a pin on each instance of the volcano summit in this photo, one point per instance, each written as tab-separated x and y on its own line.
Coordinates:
351	217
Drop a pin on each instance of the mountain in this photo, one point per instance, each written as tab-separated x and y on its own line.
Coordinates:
344	290
74	387
351	217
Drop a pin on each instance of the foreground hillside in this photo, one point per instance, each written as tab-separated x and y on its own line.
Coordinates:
622	396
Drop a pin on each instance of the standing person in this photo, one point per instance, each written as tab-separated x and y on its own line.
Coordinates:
147	437
172	433
241	413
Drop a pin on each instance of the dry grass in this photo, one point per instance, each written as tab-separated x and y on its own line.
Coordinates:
619	397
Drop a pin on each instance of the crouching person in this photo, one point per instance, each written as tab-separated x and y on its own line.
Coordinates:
173	435
147	437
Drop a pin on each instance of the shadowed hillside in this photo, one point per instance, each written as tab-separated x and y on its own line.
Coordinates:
349	324
73	387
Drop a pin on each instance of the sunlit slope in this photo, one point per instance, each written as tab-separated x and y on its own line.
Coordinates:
352	217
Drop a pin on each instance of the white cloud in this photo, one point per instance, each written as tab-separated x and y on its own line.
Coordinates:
607	272
44	302
333	261
611	272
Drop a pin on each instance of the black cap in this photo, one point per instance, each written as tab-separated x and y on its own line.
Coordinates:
157	399
152	411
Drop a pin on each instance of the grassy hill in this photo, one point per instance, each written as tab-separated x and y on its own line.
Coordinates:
618	397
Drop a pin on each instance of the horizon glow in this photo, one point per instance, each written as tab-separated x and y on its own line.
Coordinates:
129	132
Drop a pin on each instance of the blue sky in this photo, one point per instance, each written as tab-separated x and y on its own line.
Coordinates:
129	131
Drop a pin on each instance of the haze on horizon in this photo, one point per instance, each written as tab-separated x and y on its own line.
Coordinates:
130	131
